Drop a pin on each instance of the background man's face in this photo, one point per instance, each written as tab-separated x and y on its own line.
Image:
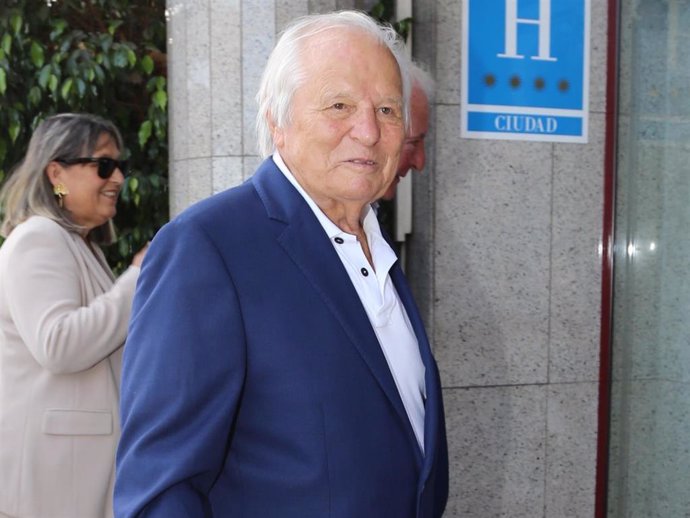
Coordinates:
413	155
346	126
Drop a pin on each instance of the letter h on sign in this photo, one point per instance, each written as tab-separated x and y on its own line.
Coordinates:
511	32
525	61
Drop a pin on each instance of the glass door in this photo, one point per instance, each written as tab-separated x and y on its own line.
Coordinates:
649	455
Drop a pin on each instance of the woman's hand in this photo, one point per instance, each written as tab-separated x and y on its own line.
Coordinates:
139	256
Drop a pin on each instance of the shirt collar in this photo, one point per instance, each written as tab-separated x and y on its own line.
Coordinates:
382	254
370	223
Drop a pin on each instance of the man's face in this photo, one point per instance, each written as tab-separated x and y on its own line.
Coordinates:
413	155
346	129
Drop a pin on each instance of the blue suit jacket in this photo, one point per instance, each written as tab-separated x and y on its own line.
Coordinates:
253	383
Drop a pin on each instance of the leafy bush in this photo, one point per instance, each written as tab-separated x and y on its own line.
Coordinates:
384	11
98	56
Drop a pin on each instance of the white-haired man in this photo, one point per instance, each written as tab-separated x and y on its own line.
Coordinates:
276	365
413	155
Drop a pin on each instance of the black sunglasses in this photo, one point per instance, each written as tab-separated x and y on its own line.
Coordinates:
106	166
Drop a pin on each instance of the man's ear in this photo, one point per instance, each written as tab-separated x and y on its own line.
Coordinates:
54	172
276	132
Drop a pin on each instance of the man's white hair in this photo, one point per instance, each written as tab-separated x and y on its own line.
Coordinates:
284	72
419	77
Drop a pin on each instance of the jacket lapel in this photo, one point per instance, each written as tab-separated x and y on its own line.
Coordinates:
95	264
99	279
307	244
433	406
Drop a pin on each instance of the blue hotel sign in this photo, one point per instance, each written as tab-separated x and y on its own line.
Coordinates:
525	70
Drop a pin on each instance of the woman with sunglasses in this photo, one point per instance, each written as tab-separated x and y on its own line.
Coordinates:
63	321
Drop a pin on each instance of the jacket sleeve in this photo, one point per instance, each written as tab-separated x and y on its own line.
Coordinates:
44	288
183	370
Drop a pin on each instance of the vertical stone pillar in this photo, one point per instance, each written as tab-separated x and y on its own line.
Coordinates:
210	84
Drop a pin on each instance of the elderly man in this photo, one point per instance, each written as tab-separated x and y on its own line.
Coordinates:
276	365
413	154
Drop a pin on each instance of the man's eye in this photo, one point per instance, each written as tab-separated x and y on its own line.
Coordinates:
386	110
339	106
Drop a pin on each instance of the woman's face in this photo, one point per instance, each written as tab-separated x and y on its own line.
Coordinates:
91	200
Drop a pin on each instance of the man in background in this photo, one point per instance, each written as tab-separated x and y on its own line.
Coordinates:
413	154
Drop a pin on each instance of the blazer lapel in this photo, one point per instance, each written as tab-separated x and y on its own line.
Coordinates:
100	279
432	417
95	263
307	244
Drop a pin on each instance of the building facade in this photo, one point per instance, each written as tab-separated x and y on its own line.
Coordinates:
506	256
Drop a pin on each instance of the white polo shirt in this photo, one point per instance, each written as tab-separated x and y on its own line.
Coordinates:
381	302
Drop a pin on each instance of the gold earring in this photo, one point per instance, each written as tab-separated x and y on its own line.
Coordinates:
60	191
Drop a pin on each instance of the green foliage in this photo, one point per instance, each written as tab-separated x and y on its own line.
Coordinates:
97	56
384	11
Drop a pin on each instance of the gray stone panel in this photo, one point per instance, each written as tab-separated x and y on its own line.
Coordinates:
322	6
353	4
198	79
287	10
250	164
178	184
192	182
598	45
258	39
200	183
625	60
424	32
177	82
497	450
448	52
326	6
576	258
227	172
571	449
226	77
493	211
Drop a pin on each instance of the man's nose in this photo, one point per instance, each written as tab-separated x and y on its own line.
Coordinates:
365	127
418	158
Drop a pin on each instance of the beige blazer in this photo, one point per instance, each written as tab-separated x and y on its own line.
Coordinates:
63	321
